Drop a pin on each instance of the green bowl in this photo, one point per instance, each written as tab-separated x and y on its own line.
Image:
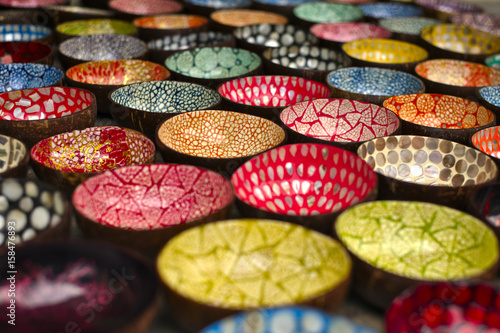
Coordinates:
71	29
326	12
493	61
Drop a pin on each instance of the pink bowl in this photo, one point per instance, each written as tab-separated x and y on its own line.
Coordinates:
334	34
145	8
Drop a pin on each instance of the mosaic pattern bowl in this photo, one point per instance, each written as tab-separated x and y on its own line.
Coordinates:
101	77
408	28
60	14
286	274
493	61
26	52
30	75
372	84
490	97
216	139
158	26
67	30
206	7
307	184
228	20
406	243
481	21
384	10
31	3
132	9
284	7
486	140
484	204
31	115
25	33
309	14
267	96
333	35
444	9
117	281
14	158
143	106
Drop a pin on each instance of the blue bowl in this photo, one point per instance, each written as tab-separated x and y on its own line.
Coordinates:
490	97
24	33
390	10
29	75
282	2
220	4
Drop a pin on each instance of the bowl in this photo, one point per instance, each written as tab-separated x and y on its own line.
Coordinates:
31	115
486	140
490	97
459	42
406	243
481	21
271	267
25	16
444	9
14	158
493	61
143	206
333	35
456	77
216	139
25	33
206	7
385	53
31	3
61	13
26	52
267	96
284	7
101	77
339	122
158	26
143	106
85	285
483	203
82	49
132	9
309	14
307	184
385	10
67	30
228	20
371	84
29	75
441	307
407	28
211	66
32	212
67	159
310	62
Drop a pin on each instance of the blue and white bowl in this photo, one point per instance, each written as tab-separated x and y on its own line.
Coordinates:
407	25
29	75
220	4
384	10
24	33
490	97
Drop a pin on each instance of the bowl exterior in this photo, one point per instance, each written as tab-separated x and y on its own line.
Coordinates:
9	148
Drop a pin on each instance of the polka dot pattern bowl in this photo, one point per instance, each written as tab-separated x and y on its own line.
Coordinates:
26	52
335	34
158	26
25	33
377	11
71	29
444	9
493	61
229	19
490	97
14	158
24	76
325	12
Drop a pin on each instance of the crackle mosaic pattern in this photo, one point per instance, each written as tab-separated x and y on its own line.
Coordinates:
340	120
390	10
95	27
307	57
275	35
491	94
221	4
43	103
304	179
195	39
325	12
152	196
386	51
487	140
407	25
219	134
243	17
418	240
22	32
348	31
23	52
449	6
481	21
248	263
12	152
139	7
172	21
26	76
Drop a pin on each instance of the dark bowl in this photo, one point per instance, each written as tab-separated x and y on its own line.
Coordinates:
406	243
24	16
484	204
267	96
493	61
309	14
206	7
444	9
25	33
143	206
29	75
84	285
307	184
100	26
143	106
371	84
158	26
58	14
132	9
14	158
408	28
31	115
333	35
27	4
270	267
481	21
490	97
385	10
26	52
215	139
228	20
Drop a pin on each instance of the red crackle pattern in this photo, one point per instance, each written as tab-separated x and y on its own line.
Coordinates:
304	179
445	307
340	120
152	196
487	141
275	91
150	7
23	52
94	149
349	31
43	103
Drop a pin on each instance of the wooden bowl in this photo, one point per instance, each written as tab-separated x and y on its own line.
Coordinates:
101	26
307	184
333	35
215	139
483	203
228	20
408	28
309	14
206	7
493	61
143	206
25	33
407	243
271	267
481	21
132	9
158	26
31	115
14	158
27	4
101	77
29	75
61	13
371	84
444	9
26	52
384	10
486	140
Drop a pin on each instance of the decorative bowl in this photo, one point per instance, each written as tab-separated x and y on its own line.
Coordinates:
307	184
490	97
340	122
206	7
481	21
386	53
25	16
158	26
67	30
26	52
59	14
67	159
14	158
309	14
31	115
82	49
143	106
333	35
486	140
132	9
277	264
101	77
29	75
385	10
406	243
284	7
310	62
371	84
91	286
267	96
408	29
484	204
444	9
32	212
228	20
31	3
211	66
25	33
493	61
215	139
459	42
445	307
456	77
143	206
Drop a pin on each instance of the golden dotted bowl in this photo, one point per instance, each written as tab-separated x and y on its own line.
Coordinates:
71	29
14	158
229	19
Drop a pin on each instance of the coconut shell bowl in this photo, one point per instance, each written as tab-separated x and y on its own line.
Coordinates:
407	243
14	158
32	4
25	33
92	286
408	28
67	30
144	106
490	97
206	7
307	184
371	84
308	14
486	140
273	264
228	20
444	9
216	139
25	76
101	77
493	61
333	35
132	9
32	115
26	52
158	26
385	10
144	206
482	21
60	14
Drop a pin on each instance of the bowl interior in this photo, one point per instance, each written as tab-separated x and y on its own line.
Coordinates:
95	27
196	39
327	12
103	47
139	7
408	25
26	76
493	61
486	140
390	9
348	31
449	6
491	95
23	52
152	196
22	32
274	35
243	17
169	22
387	51
481	21
12	153
220	4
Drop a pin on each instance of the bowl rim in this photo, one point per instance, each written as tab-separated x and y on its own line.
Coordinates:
387	41
244	12
478	146
23	162
166	4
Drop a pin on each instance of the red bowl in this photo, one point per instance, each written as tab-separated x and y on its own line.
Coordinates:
24	52
335	34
